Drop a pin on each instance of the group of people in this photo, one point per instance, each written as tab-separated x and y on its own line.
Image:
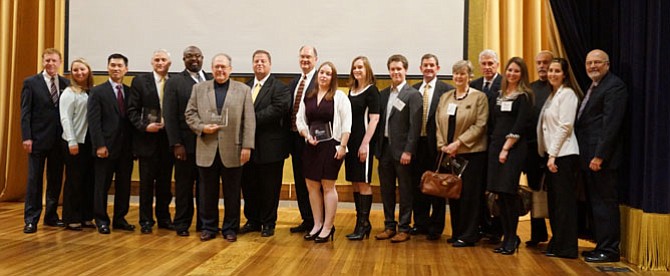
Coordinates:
218	133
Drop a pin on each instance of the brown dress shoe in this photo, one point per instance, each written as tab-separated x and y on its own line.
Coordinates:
386	234
401	237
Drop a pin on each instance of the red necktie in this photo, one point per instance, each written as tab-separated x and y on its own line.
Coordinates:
119	100
296	102
53	91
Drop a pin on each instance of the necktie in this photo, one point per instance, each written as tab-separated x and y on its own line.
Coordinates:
586	99
199	78
161	91
53	91
119	100
486	87
425	109
254	93
296	102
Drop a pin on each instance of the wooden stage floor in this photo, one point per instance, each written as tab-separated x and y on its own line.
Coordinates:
54	251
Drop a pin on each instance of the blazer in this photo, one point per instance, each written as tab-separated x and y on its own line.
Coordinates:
230	139
404	125
471	117
40	118
106	125
176	94
143	101
272	128
438	91
341	116
598	130
493	92
555	134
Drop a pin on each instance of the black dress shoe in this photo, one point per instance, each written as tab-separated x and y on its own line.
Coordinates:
55	223
29	228
124	226
248	227
183	233
205	236
418	231
451	240
146	229
588	253
230	237
460	243
602	258
303	227
104	229
267	232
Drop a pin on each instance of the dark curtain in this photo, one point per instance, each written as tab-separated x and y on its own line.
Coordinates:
636	35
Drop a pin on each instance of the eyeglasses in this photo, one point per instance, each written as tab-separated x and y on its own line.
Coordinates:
595	62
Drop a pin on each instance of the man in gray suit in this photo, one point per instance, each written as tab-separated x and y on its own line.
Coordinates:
401	108
221	113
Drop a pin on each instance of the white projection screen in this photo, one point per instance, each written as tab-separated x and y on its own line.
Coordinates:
340	30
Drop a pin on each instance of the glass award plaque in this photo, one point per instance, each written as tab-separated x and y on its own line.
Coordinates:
321	131
220	120
153	116
458	164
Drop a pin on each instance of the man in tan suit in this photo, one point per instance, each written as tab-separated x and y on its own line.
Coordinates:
221	113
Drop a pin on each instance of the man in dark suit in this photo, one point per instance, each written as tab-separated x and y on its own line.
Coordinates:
182	139
299	87
431	89
489	83
150	143
41	131
221	113
401	109
262	176
534	166
598	130
111	138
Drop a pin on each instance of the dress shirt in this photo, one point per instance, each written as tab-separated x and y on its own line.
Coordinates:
47	79
116	91
430	91
308	79
157	78
389	105
194	76
262	82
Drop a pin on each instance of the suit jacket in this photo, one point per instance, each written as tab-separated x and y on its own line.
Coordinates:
230	139
471	117
176	93
292	86
493	92
40	118
106	125
599	127
404	125
438	91
144	101
555	134
272	128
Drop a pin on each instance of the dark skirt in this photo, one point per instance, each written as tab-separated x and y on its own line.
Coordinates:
357	171
319	161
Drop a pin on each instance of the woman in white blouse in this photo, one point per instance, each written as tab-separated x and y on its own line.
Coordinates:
324	119
78	190
556	141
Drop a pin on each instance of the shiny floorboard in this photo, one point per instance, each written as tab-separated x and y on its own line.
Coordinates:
55	251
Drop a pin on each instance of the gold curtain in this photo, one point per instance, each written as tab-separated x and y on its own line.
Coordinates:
27	27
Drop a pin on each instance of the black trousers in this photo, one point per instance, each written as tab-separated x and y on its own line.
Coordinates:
603	197
120	169
186	178
562	199
298	145
156	179
231	179
534	169
391	170
79	185
261	187
466	211
53	158
422	203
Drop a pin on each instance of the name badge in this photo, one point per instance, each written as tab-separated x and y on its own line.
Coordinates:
398	104
506	106
451	109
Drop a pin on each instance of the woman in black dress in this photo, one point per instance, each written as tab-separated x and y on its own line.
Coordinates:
364	98
508	147
324	109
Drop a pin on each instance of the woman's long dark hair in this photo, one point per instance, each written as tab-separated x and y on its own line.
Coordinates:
333	82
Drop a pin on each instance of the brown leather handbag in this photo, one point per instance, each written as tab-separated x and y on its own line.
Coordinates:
447	185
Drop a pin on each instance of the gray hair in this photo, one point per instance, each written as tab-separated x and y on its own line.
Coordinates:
463	64
489	53
230	60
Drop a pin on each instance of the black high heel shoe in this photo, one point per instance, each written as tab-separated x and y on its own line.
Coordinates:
330	236
311	237
514	249
499	250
